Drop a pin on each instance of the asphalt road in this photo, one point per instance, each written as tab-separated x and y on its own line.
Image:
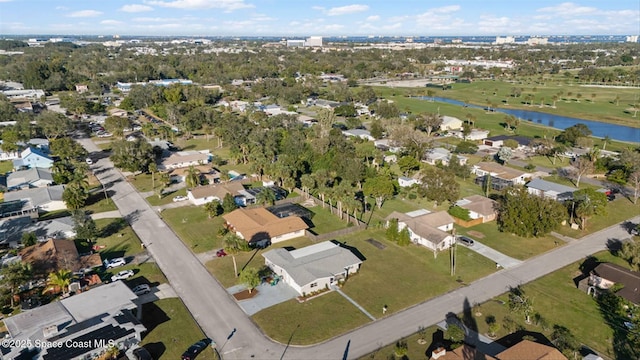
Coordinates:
218	314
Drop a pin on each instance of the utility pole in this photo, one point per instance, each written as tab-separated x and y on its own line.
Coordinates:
452	253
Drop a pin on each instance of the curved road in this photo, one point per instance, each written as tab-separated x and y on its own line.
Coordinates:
218	314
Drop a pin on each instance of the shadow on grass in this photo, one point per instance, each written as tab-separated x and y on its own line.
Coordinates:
113	227
98	196
255	252
156	349
514	338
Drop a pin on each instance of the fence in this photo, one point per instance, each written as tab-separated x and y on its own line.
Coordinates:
331	235
467	224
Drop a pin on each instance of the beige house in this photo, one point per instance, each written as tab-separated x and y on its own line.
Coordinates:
184	159
216	192
479	207
429	229
260	227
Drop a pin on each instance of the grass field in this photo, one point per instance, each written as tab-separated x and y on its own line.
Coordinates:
6	166
511	245
167	197
617	211
118	237
193	226
325	222
308	322
162	318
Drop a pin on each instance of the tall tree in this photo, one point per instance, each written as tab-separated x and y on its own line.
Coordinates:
439	186
76	193
583	165
266	196
528	215
84	226
588	203
429	122
59	279
233	245
192	178
505	154
14	275
213	209
380	188
53	125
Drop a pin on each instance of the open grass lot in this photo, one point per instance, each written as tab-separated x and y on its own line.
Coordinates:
558	300
325	222
310	322
222	268
194	227
118	237
511	245
161	319
197	143
414	349
618	210
142	182
167	197
403	276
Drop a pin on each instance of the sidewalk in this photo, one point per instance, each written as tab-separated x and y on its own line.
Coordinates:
114	214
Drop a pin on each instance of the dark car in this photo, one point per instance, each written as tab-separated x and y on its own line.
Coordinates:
465	240
142	354
196	349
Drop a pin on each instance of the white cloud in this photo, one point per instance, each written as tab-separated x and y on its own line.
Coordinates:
348	9
445	9
136	8
568	9
85	13
333	27
111	22
227	5
497	25
373	18
1	1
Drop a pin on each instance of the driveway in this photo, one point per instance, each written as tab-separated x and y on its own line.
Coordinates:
267	296
162	291
218	314
498	257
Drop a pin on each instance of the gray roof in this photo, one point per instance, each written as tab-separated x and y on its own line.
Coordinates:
37	196
103	299
313	262
26	177
11	229
545	186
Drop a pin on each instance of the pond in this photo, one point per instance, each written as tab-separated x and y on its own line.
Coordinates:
599	129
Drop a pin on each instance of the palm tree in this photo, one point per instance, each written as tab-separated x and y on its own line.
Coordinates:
554	98
233	245
164	181
266	196
153	169
605	141
212	208
61	279
76	193
307	182
192	177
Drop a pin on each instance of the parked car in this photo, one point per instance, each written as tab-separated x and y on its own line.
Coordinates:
141	289
122	275
196	349
180	198
465	240
221	253
114	263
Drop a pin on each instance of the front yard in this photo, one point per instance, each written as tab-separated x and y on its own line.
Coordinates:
618	210
194	227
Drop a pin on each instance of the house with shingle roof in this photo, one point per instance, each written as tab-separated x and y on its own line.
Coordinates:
11	229
184	159
55	254
44	199
606	275
527	349
548	189
443	156
259	227
314	267
216	192
479	207
501	176
31	178
429	229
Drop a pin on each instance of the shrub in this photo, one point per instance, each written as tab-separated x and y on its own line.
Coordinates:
460	213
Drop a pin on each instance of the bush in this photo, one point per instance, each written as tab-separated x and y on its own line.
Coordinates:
529	167
460	213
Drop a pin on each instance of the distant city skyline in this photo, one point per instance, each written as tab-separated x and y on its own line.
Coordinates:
320	17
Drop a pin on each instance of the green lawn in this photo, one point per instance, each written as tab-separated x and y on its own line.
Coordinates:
403	276
222	268
618	210
325	222
118	237
142	182
509	244
163	319
97	202
6	166
194	227
415	350
310	322
166	198
199	143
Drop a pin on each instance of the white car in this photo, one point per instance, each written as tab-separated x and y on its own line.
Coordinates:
114	263
141	289
180	198
122	275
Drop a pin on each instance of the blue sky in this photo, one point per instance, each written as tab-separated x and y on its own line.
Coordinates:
319	17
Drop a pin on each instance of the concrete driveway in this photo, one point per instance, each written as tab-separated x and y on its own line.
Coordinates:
498	257
267	296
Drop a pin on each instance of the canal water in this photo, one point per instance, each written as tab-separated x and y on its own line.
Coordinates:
599	129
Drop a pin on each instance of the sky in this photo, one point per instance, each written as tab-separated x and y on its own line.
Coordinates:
319	17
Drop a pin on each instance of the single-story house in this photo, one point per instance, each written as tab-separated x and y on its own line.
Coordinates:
527	349
31	178
443	156
38	143
11	229
450	123
464	352
98	318
498	141
474	135
405	181
215	192
479	207
184	159
387	145
82	88
211	175
260	227
502	176
55	254
359	133
429	229
548	189
44	199
33	157
313	268
605	275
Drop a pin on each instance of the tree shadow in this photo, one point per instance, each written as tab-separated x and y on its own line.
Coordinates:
132	216
614	246
255	252
156	349
610	306
113	227
515	337
628	226
152	316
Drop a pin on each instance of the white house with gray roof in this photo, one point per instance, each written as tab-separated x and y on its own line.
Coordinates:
314	267
44	199
92	318
31	178
11	229
548	189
